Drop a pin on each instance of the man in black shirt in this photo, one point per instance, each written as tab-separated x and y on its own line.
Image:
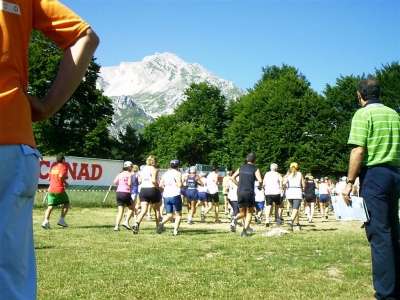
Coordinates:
248	174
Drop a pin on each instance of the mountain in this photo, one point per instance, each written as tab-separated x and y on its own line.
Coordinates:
142	91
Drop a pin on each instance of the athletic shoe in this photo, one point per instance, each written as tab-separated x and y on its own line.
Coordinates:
297	227
203	218
135	229
62	223
226	212
126	225
310	220
266	224
290	223
249	229
258	220
244	234
240	223
218	221
190	222
116	228
46	225
175	233
148	217
233	226
160	228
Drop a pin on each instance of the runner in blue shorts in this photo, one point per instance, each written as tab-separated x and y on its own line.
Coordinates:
192	182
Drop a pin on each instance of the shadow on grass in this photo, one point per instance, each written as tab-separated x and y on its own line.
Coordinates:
43	247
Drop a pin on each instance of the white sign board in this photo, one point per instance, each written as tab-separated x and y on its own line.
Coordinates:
83	171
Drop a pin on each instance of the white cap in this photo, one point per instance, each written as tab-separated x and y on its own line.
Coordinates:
128	164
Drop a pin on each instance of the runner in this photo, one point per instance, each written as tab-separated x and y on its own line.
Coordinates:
135	189
171	182
212	194
310	197
225	191
273	190
149	192
294	192
192	181
124	182
202	193
324	198
248	173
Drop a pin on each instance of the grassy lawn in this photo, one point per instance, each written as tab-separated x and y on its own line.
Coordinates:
88	260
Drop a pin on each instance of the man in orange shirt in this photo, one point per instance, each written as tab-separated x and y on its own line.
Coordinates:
19	163
57	194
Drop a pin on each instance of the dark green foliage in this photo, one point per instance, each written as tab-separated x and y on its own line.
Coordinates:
80	127
128	146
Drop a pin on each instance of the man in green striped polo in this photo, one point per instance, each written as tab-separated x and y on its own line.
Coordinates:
375	136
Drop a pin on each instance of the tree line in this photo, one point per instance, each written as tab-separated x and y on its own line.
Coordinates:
281	119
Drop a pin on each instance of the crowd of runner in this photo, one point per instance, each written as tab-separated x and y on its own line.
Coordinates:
292	195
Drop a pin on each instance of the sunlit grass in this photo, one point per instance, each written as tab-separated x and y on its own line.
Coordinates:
88	260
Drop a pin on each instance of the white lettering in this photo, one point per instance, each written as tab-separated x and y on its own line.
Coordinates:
10	7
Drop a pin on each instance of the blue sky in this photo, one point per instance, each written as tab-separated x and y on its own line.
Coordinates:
236	39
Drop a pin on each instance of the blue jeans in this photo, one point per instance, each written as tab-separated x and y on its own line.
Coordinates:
19	175
380	188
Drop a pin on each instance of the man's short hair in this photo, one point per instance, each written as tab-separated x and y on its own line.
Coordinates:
273	167
60	158
369	88
251	157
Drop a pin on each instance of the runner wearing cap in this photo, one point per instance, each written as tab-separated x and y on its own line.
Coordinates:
192	181
171	182
124	182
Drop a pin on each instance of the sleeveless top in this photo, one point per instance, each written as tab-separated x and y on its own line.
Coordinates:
310	188
247	175
171	188
147	177
191	182
323	188
135	183
123	186
294	190
271	184
202	189
232	191
212	186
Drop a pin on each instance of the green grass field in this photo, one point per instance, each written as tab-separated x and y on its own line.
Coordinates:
88	260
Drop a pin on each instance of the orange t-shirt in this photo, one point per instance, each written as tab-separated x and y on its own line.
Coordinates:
56	184
17	18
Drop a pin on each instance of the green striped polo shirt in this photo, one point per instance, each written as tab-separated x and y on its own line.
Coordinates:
376	127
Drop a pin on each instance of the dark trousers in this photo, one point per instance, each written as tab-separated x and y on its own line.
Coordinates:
235	207
380	188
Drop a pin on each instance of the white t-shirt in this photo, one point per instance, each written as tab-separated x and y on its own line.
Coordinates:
171	188
272	184
212	186
202	189
232	191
